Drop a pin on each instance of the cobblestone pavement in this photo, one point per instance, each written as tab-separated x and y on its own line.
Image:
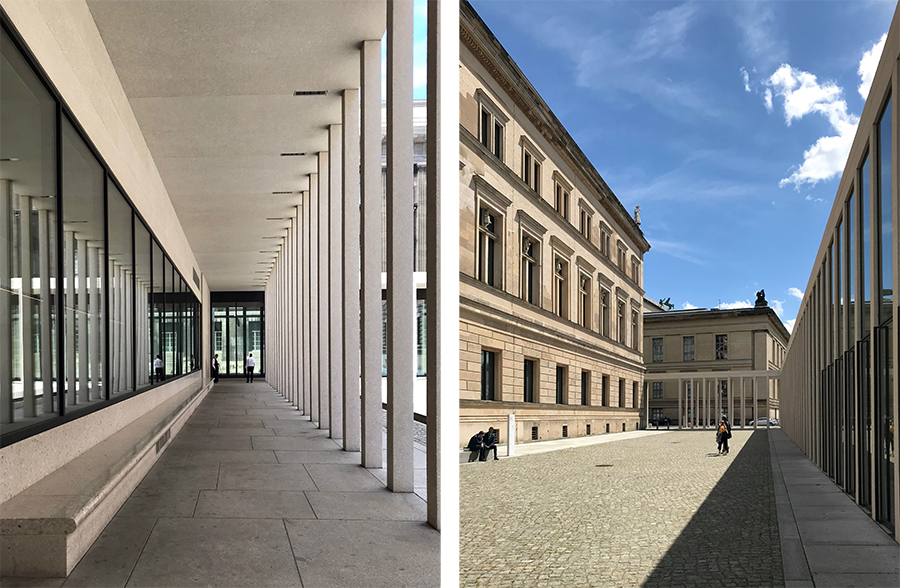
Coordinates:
668	511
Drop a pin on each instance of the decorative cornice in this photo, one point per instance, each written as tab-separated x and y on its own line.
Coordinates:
585	265
558	244
482	97
524	219
493	196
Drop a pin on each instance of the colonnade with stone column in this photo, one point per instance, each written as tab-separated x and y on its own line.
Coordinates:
324	292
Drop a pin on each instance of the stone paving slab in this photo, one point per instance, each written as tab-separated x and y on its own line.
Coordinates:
653	510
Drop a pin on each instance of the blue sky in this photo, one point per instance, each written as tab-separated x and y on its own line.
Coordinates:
728	123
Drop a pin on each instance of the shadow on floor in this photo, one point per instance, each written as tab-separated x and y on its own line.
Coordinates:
732	539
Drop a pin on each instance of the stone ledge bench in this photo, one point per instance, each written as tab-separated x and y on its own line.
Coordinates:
46	528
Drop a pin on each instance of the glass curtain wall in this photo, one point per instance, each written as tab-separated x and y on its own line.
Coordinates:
238	330
87	295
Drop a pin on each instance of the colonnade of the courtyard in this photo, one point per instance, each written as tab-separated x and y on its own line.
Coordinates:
324	292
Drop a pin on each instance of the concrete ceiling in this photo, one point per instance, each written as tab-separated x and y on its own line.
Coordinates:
212	84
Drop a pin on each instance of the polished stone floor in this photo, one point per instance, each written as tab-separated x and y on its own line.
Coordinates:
250	493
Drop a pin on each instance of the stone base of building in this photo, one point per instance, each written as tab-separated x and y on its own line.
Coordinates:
543	422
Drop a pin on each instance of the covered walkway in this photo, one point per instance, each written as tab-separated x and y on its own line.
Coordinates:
250	493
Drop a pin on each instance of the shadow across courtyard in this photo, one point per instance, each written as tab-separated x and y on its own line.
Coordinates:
732	539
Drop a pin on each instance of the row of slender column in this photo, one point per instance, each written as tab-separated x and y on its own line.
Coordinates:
324	292
707	403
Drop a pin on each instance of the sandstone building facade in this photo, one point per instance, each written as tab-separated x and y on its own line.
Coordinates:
714	350
551	264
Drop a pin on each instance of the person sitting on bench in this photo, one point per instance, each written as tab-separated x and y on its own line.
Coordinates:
490	442
476	443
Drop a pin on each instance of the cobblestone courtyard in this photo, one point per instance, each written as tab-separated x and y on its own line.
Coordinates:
663	510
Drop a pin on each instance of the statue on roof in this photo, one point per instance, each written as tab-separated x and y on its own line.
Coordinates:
761	298
637	215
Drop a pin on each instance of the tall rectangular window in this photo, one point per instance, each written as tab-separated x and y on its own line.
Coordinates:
621	392
560	287
584	301
585	388
485	128
529	380
621	259
498	140
491	133
585	221
635	397
604	391
721	346
560	384
635	325
621	320
657	390
886	236
537	177
562	200
526	167
687	344
489	248
865	255
604	312
530	270
657	349
488	374
850	229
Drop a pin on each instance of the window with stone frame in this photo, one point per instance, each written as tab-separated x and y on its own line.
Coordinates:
560	286
489	245
621	260
530	269
721	346
584	300
605	240
635	271
492	125
635	397
561	201
657	390
585	224
585	388
621	321
529	380
657	349
622	392
489	374
604	312
687	344
531	169
635	325
561	377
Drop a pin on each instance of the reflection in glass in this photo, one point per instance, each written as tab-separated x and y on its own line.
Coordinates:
28	260
121	274
143	286
84	233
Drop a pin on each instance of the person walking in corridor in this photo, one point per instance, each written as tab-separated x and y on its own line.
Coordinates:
215	368
158	369
249	365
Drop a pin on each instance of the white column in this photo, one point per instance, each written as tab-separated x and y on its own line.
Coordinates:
82	307
755	401
26	309
306	352
69	302
400	286
350	260
370	293
6	396
680	414
95	320
442	263
324	300
743	404
313	254
47	375
335	279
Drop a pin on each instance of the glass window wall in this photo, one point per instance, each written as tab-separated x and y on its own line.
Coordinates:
80	274
238	330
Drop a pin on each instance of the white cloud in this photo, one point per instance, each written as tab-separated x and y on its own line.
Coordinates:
789	325
778	307
666	32
767	99
867	66
796	292
688	306
809	198
746	79
734	305
803	94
